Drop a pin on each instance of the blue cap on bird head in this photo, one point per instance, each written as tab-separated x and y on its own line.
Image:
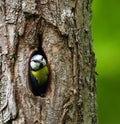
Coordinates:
37	57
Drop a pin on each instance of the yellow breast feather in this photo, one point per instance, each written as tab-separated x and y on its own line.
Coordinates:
41	75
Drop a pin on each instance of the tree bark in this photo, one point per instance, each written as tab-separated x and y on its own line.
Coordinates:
61	30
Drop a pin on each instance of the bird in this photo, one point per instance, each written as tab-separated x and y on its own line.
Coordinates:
39	75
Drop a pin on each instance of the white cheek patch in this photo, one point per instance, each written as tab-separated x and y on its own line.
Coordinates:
44	62
34	65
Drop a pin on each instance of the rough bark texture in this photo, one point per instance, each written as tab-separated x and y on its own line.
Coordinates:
62	29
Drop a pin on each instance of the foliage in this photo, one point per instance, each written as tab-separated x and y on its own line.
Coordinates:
106	36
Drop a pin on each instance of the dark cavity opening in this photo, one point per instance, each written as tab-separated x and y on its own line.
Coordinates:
39	90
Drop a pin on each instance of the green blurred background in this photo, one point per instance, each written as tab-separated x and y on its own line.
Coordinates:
106	36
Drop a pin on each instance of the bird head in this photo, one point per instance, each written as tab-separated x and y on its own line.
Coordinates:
37	62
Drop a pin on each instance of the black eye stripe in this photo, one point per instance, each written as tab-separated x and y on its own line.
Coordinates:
36	61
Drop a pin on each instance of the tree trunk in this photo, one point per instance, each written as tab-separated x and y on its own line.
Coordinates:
61	30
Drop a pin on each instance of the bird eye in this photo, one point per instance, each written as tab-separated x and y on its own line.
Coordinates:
36	61
42	58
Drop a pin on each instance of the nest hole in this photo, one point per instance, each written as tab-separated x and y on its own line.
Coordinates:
44	89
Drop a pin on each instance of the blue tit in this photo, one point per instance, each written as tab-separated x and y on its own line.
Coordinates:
39	75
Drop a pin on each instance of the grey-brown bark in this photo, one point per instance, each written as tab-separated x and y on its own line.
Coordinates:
61	29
